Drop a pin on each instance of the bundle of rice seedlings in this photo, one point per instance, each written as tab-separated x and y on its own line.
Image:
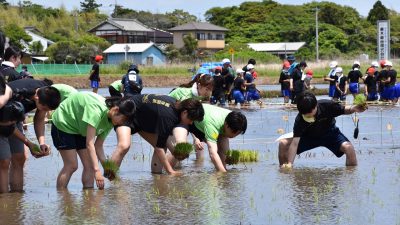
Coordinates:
111	169
237	156
182	150
36	148
360	100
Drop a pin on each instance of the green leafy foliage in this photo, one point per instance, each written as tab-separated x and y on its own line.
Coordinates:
378	12
90	6
16	35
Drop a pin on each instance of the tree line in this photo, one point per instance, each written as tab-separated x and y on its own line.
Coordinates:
343	32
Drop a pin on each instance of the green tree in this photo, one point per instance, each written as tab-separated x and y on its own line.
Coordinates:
90	6
378	12
190	46
17	35
63	52
4	3
179	17
172	53
36	48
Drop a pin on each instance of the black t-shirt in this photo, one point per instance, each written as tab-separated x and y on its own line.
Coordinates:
155	114
354	76
284	76
95	76
342	82
370	81
9	73
393	77
218	83
238	83
383	75
327	110
24	90
298	84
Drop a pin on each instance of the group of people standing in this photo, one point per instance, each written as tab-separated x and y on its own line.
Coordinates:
380	83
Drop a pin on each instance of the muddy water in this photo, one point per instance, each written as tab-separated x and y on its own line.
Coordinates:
320	189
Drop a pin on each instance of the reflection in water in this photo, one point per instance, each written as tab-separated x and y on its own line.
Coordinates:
318	194
320	189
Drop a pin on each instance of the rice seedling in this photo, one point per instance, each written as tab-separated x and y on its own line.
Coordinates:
111	169
360	100
237	156
182	150
36	149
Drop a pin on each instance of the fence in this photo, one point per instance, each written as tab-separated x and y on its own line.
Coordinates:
62	69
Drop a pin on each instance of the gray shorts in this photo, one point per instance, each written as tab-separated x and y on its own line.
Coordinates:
11	145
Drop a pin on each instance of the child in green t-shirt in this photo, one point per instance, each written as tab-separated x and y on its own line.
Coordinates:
80	125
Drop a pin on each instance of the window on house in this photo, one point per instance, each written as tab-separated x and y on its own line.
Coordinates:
209	36
201	36
219	37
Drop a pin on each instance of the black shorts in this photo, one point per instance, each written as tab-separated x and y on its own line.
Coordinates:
332	140
196	132
65	141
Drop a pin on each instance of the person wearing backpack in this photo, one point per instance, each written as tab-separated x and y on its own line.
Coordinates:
132	82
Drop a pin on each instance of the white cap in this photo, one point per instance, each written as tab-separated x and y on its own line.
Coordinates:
226	61
375	64
388	63
333	64
239	71
250	66
339	70
356	63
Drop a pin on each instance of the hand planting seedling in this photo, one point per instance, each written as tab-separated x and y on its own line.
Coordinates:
286	166
237	156
182	150
111	169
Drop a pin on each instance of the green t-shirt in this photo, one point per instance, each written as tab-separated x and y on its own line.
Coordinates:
213	122
65	90
181	94
117	85
83	108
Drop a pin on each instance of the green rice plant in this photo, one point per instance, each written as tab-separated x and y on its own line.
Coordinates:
111	169
360	100
237	156
36	149
182	150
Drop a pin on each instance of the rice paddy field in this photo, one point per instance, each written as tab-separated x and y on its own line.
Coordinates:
318	190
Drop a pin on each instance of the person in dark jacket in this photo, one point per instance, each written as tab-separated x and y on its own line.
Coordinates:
297	81
12	57
132	82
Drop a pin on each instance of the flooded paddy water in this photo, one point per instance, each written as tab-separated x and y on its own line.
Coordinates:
319	190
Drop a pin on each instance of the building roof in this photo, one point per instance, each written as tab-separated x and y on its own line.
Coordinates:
280	47
136	47
124	24
198	26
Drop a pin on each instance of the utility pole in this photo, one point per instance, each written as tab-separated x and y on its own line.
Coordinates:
316	34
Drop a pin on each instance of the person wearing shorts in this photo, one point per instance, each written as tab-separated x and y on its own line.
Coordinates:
94	75
284	80
353	77
11	115
80	126
158	117
315	126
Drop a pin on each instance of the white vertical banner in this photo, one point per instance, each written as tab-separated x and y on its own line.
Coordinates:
383	39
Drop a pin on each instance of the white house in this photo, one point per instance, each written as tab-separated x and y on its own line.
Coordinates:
35	34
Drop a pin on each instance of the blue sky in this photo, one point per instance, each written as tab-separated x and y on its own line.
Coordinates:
198	7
